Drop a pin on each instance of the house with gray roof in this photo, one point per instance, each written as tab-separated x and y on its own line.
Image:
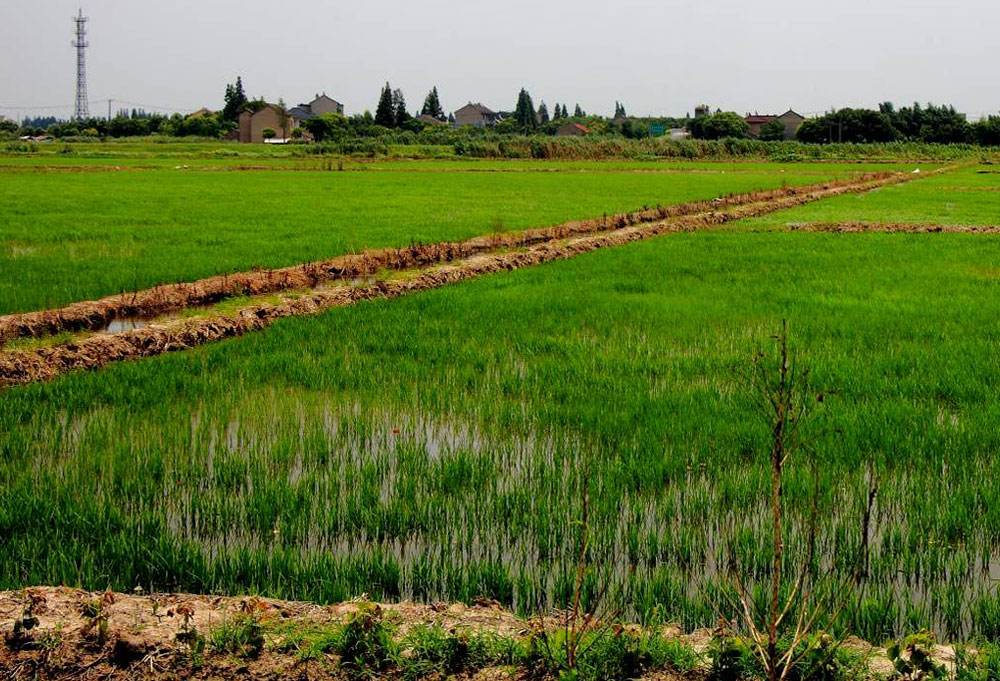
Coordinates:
476	115
320	105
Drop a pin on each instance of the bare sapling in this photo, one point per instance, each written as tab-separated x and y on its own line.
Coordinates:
781	637
582	624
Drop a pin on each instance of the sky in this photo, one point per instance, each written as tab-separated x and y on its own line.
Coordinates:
658	57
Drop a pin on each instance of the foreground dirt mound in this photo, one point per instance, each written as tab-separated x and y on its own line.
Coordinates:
61	633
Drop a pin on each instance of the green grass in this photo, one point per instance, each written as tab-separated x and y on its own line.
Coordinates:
436	446
969	196
76	234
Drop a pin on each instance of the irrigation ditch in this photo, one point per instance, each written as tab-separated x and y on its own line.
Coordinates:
892	228
147	323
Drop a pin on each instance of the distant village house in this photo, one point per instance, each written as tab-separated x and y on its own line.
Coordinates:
253	124
791	120
321	104
572	130
270	117
476	115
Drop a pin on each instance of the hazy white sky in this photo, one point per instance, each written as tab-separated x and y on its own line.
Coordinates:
657	57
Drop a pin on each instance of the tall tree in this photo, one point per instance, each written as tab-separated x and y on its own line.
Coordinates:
524	113
385	114
620	110
772	131
400	114
578	112
432	105
236	100
543	114
718	126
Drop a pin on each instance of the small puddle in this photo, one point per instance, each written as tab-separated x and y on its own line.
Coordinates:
126	324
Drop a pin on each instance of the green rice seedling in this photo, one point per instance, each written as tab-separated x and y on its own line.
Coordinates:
429	448
114	243
986	615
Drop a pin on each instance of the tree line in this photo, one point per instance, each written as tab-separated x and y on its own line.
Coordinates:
939	124
933	124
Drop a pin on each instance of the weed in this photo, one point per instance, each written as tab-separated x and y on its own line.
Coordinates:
21	636
980	662
366	646
95	614
241	635
912	658
731	658
307	642
190	637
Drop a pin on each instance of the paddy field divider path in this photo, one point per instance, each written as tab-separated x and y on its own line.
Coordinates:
156	325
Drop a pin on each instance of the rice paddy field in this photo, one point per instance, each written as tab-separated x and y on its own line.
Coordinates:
439	446
82	231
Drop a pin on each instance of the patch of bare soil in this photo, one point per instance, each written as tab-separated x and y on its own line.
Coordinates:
62	633
892	227
167	298
423	264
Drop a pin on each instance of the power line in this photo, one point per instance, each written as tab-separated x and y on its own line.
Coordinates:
110	102
33	108
152	107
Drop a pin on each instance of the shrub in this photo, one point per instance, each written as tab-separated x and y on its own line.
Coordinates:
981	663
732	660
21	148
773	131
366	647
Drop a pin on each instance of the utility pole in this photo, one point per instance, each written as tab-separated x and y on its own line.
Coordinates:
82	110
